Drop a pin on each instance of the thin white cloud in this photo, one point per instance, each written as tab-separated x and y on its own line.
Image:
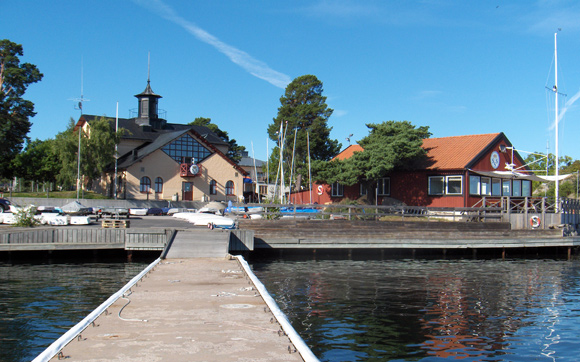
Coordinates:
569	103
253	66
339	113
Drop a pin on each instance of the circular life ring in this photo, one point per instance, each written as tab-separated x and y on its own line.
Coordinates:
535	222
320	190
210	225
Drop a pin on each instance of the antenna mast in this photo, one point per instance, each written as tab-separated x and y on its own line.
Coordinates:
557	121
80	107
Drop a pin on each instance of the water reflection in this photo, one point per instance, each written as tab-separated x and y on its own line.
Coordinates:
40	302
407	310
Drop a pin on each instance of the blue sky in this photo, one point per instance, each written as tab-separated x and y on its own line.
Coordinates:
459	67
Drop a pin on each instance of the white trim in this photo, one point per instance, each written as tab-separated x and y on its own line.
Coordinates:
71	334
520	175
295	338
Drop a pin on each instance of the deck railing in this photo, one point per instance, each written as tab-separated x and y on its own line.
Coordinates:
567	212
373	212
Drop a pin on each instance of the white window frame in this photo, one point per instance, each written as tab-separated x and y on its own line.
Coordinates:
440	179
448	179
337	190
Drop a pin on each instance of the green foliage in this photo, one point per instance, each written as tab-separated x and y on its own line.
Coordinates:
14	110
235	150
65	147
540	164
97	151
25	217
303	120
37	162
60	195
389	146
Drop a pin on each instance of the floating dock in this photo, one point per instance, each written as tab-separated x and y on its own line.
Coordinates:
196	309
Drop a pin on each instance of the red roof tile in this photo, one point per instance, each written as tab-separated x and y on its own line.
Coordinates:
456	152
446	152
348	152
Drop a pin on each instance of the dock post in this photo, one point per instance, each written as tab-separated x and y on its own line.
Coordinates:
474	253
569	253
129	255
503	253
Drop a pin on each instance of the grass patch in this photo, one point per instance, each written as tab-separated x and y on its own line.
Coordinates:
58	195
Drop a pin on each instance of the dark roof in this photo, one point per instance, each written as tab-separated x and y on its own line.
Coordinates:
148	92
136	132
128	159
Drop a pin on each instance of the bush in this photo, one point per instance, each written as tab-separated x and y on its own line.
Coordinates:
25	217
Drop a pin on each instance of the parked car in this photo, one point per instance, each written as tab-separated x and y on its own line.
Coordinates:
155	211
4	205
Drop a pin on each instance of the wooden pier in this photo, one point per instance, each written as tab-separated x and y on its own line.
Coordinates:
294	234
346	234
203	309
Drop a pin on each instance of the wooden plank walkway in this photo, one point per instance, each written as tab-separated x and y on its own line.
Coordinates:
199	309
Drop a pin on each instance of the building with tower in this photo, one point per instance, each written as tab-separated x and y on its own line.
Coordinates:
158	160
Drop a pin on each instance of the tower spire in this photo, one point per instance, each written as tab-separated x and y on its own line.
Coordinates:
148	114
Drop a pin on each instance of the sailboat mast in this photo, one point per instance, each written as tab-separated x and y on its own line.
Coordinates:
557	120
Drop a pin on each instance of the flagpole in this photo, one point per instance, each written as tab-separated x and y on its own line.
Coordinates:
116	147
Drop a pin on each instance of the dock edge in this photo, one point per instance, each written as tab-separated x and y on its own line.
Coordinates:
294	337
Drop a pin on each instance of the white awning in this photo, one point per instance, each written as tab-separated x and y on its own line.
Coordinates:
520	175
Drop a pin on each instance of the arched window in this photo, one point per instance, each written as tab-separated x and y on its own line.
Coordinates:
230	188
158	185
145	184
213	187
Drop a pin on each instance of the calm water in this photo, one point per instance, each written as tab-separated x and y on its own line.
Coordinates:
40	302
346	310
413	310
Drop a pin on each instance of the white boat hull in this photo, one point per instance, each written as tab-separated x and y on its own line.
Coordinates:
202	219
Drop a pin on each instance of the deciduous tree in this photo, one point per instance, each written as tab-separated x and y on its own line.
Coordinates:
235	150
97	151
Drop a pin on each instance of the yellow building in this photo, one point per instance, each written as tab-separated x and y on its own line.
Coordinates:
169	161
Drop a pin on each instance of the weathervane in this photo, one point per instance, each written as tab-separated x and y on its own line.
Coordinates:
348	138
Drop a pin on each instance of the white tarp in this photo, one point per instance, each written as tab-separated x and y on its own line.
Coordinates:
520	175
75	207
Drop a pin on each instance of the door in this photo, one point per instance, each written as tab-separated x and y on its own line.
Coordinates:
187	191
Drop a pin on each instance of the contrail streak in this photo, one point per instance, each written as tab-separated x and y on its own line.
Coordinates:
253	66
565	109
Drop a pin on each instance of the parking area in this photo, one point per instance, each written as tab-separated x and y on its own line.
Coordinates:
151	221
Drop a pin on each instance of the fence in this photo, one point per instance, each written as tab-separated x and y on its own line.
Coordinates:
83	238
520	212
371	212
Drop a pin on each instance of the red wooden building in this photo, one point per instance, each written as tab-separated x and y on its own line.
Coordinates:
460	171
